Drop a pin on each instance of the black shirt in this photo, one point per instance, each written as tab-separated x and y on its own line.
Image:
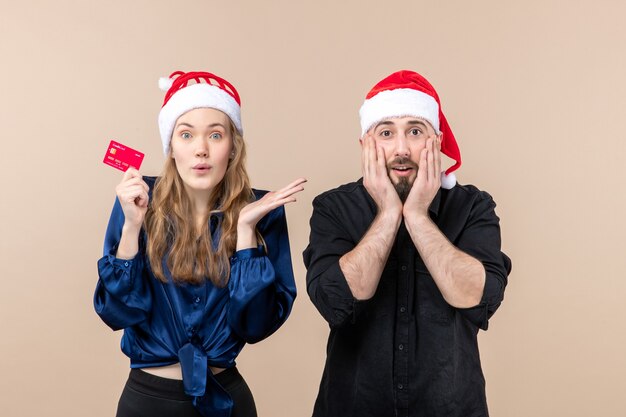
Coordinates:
404	352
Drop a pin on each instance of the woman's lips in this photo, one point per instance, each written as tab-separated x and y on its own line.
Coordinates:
201	168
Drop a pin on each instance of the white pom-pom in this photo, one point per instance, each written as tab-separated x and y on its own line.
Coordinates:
448	181
165	83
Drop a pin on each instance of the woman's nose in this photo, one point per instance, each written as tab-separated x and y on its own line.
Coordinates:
203	149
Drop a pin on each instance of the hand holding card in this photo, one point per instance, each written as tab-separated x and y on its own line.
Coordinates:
132	193
121	157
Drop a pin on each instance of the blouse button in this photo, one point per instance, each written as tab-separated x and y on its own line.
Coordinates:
402	309
196	300
403	267
125	263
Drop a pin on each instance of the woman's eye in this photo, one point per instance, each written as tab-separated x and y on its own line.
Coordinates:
216	135
185	135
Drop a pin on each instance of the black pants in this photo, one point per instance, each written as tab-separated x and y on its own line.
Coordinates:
147	395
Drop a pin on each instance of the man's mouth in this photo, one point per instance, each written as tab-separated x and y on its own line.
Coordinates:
402	167
402	170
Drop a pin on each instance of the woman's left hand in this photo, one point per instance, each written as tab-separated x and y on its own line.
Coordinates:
253	212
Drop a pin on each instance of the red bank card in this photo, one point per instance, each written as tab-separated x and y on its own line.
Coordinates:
121	156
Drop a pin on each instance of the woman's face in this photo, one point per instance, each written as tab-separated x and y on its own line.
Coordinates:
201	146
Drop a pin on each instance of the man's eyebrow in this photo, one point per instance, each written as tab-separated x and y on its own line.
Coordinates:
384	122
417	122
409	122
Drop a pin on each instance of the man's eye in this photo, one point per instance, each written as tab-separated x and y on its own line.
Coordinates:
385	133
185	135
415	132
216	135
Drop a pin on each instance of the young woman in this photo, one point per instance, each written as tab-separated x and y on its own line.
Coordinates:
196	263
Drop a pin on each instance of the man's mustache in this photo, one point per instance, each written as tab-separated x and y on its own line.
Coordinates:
402	160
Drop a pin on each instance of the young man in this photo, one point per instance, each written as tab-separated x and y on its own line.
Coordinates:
405	265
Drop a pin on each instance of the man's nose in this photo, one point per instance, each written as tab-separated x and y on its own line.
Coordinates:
402	146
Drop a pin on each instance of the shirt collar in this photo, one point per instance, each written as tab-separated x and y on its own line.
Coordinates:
434	205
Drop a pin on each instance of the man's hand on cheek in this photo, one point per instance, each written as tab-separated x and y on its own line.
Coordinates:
375	177
428	180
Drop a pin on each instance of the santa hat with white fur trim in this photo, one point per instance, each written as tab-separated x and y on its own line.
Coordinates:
406	93
194	90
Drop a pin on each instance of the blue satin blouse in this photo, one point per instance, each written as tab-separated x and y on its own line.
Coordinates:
196	325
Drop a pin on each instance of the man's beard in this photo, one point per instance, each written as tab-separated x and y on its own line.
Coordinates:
403	187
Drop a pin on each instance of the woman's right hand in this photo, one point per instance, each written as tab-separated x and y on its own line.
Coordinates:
132	193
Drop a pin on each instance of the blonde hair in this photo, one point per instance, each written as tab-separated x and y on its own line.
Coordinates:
172	233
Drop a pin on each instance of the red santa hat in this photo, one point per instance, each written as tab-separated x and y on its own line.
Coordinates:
406	93
194	90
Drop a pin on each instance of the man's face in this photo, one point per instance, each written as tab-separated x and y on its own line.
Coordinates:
402	139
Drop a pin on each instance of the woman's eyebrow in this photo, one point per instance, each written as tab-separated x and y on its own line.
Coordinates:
192	126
